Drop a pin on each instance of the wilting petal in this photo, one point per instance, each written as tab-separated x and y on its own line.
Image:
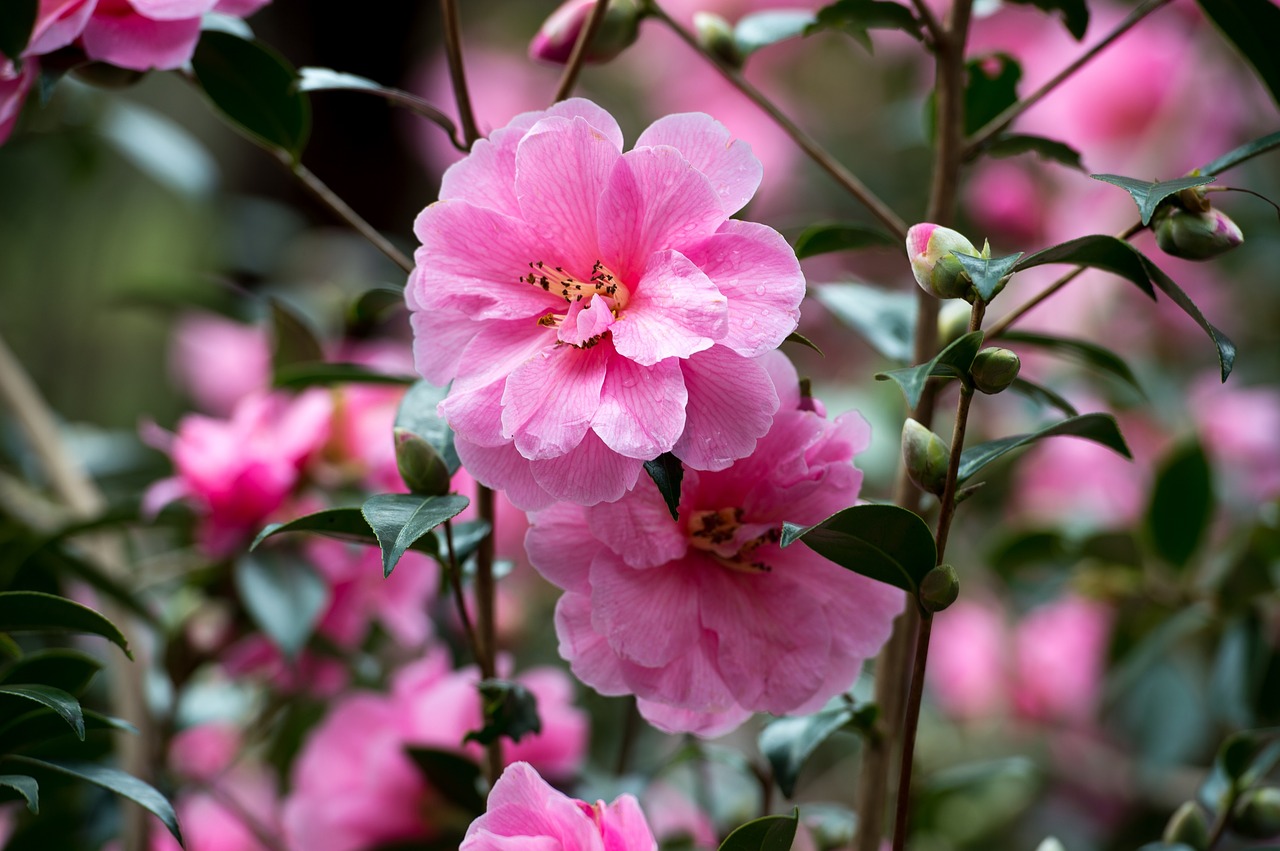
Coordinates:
731	406
733	171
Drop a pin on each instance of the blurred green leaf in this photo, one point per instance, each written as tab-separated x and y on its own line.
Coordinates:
789	742
401	520
284	595
1181	504
770	26
417	413
25	786
345	524
1226	348
986	272
955	360
35	611
293	340
255	89
826	237
1159	643
42	729
17	19
63	561
1099	428
991	87
297	376
510	710
1250	26
771	833
455	777
886	320
69	670
1090	354
856	17
1075	13
1238	155
667	473
64	704
1043	395
1013	144
1149	195
1239	667
882	542
1022	548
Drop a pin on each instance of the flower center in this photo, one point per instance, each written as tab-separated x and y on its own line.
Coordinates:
588	318
733	543
554	279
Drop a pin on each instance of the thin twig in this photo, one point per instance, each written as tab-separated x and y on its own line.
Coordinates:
409	101
457	74
847	179
485	611
1008	116
459	599
931	23
579	55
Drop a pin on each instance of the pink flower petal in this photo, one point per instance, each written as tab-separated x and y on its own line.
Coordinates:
550	399
731	406
172	10
59	23
673	719
503	468
561	549
476	416
669	624
140	44
674	311
584	323
592	659
521	804
641	412
639	529
590	473
734	172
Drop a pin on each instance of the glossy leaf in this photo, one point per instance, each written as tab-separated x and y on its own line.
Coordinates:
761	29
771	833
255	89
1043	395
667	473
882	542
1246	151
64	704
1149	195
1074	13
510	710
1091	354
292	338
112	780
345	524
991	87
955	360
42	730
401	520
17	20
1226	348
856	17
284	595
986	272
1251	26
827	237
297	376
453	776
886	320
789	742
69	670
1181	504
467	536
417	413
25	786
35	611
1099	428
1013	144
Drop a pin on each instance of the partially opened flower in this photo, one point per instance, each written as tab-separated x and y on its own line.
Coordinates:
595	309
707	619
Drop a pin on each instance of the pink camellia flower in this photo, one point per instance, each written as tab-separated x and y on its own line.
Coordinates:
145	34
968	669
14	85
596	309
707	620
1060	652
221	822
524	811
203	752
1240	427
359	594
218	361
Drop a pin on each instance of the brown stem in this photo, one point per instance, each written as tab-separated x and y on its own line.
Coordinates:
411	102
911	722
487	632
457	74
931	22
1002	121
579	55
847	179
459	598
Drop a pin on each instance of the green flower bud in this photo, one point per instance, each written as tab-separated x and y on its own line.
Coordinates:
420	465
926	457
939	588
715	35
1189	826
953	321
931	249
994	369
1194	235
1258	813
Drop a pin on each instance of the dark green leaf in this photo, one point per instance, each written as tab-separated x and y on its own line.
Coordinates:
284	595
456	778
400	520
42	729
1024	549
886	320
801	340
510	710
1090	354
1181	504
295	342
34	611
1233	158
417	413
1226	348
855	17
883	542
1011	145
345	524
296	376
69	670
1239	668
62	561
667	473
991	87
112	780
1075	13
374	306
986	272
1149	195
467	536
771	833
761	29
255	89
1043	395
827	237
1251	25
1099	428
789	742
955	360
67	707
16	22
25	786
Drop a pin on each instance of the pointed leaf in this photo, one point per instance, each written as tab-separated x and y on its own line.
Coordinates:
16	22
401	520
1043	395
761	29
64	704
955	360
467	537
284	595
827	237
35	611
25	786
801	340
294	341
1250	25
1233	158
1088	353
345	524
1013	144
789	742
69	670
667	473
1097	252
886	320
986	272
771	833
855	17
1225	347
1099	428
1075	13
457	779
417	413
510	710
60	560
882	542
1181	504
296	376
112	780
40	728
1149	195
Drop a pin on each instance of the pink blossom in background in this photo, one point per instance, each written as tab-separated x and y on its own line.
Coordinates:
595	309
708	620
673	816
218	361
203	752
256	657
1240	427
1060	653
968	668
524	811
211	823
359	594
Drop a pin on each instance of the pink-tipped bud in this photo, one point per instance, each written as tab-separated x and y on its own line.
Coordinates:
932	249
559	32
1194	235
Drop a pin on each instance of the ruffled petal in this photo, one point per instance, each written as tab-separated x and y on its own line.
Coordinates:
731	406
503	468
140	44
588	653
708	725
638	529
674	311
650	617
476	416
734	172
589	473
641	413
559	549
549	400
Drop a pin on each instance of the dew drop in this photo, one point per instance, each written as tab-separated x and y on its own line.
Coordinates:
760	289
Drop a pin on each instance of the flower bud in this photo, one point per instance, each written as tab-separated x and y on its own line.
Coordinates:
1196	235
939	588
715	35
420	465
932	249
953	321
1188	826
559	32
994	369
926	457
1258	813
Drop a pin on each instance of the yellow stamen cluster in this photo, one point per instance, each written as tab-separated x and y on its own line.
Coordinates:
554	279
709	530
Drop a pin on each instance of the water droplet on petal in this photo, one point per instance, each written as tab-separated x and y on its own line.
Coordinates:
760	289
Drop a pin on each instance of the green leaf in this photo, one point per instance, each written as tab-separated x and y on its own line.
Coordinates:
1239	670
991	87
1013	144
294	341
60	560
112	780
1226	348
1231	159
883	542
761	29
41	727
986	272
255	89
1181	504
855	17
510	710
64	704
1250	25
345	524
801	340
400	520
35	611
69	670
372	307
1157	645
1024	549
771	833
826	237
297	376
1043	395
955	360
667	473
467	537
417	413
1091	354
1149	195
1099	428
886	320
284	595
1075	13
16	22
25	786
456	778
789	742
